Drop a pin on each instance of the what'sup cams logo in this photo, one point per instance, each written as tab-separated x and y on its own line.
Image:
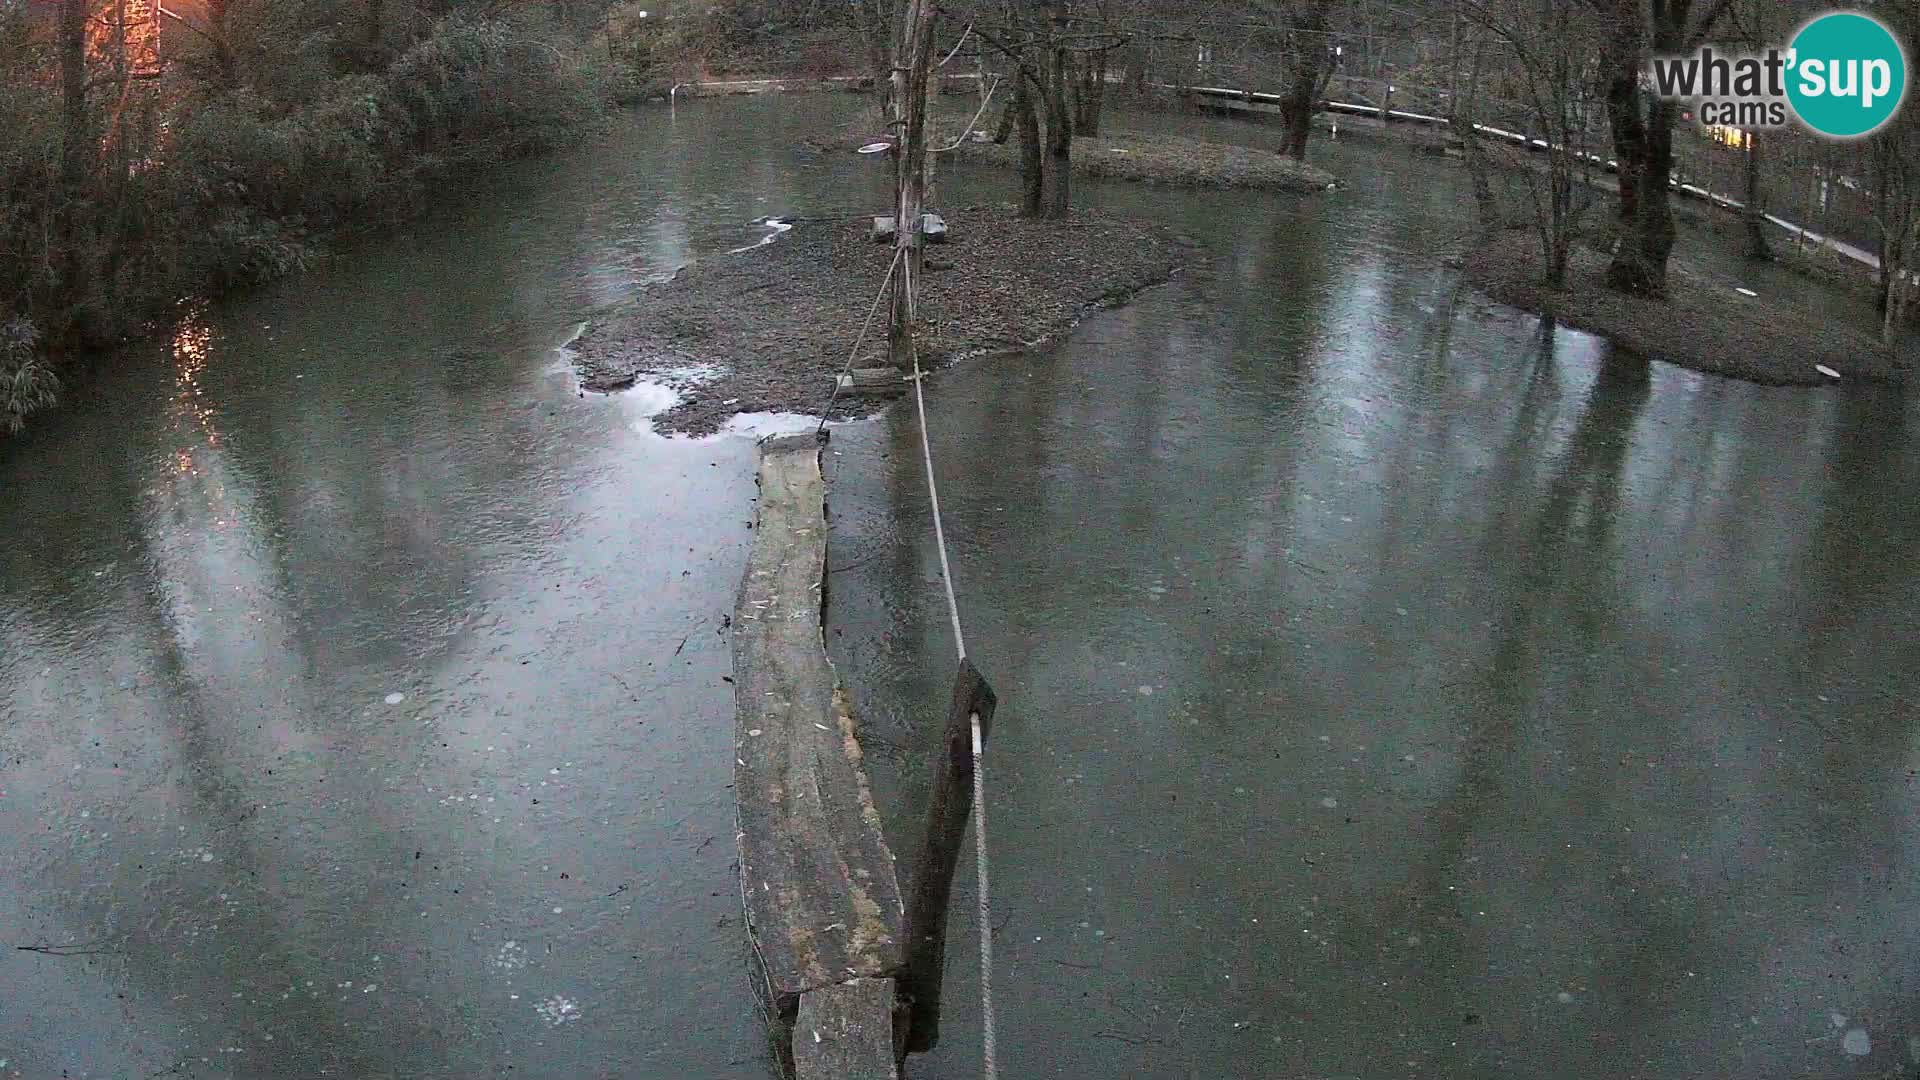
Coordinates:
1843	76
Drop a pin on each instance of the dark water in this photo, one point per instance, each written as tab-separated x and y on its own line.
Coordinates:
1376	669
379	480
1392	688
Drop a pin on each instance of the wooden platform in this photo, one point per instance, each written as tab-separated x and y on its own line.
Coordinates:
822	901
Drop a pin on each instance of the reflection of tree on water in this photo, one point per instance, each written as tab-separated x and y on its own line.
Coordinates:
1550	560
1851	654
230	740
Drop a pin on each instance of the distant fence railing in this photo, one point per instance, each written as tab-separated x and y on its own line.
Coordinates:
1373	95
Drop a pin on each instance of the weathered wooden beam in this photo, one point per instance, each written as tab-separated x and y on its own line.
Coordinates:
845	1032
871	381
947	811
822	902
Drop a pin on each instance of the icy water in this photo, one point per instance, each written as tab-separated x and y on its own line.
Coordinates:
361	700
1389	688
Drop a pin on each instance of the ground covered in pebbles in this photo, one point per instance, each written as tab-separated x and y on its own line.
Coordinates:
768	329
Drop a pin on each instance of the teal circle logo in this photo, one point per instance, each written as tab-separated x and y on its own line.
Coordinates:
1847	74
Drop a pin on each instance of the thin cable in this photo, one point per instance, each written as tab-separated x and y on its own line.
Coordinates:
858	341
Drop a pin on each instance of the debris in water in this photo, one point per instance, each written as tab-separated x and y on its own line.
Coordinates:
1857	1043
1744	291
1827	371
1330	802
558	1010
396	698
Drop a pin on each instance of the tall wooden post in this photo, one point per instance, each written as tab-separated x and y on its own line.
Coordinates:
947	810
911	64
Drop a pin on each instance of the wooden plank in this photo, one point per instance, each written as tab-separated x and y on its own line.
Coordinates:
947	811
845	1032
871	381
822	902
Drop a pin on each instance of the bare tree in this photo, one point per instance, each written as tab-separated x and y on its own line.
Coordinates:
1752	24
1895	154
1547	44
1642	126
1042	46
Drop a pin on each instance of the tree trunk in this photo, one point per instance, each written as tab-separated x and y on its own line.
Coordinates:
910	72
226	69
1009	113
1058	173
1092	95
1639	265
1296	118
1896	311
1893	265
1031	167
1629	138
73	96
1311	68
1755	213
76	145
1884	163
374	32
1622	56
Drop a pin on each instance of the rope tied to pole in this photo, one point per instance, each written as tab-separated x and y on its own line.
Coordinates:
858	341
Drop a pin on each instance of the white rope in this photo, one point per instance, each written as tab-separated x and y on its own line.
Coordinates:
982	111
990	1066
933	488
964	35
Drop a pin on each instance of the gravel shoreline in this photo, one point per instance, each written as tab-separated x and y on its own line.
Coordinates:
768	329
